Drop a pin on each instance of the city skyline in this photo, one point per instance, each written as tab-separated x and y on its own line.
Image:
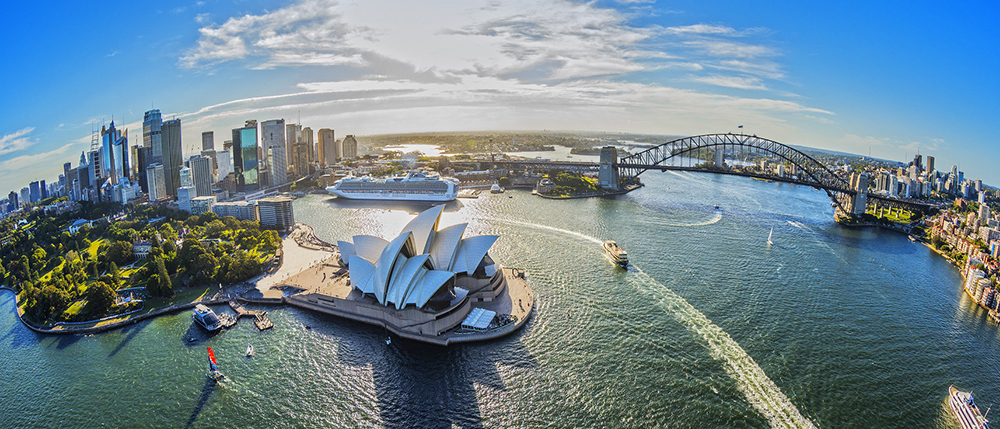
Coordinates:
838	77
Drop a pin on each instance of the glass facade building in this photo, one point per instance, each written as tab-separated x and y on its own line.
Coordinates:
245	156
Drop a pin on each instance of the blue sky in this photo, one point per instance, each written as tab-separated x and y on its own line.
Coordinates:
889	77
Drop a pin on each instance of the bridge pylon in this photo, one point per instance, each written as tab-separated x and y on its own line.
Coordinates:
607	176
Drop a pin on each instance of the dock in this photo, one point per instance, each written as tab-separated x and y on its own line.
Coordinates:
261	321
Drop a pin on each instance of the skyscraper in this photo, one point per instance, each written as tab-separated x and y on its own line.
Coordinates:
930	163
201	175
12	201
307	138
171	154
225	163
36	193
157	182
293	134
114	153
329	148
142	161
151	135
208	140
245	156
301	159
350	147
272	140
25	196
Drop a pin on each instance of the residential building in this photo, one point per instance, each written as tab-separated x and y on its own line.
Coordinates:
329	148
201	205
276	212
245	156
170	133
349	147
301	159
293	135
242	210
157	182
201	175
184	196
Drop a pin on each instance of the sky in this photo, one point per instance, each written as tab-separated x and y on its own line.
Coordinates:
887	78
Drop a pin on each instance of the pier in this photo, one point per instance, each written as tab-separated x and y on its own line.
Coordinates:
260	319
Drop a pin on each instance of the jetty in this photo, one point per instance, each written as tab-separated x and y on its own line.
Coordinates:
260	319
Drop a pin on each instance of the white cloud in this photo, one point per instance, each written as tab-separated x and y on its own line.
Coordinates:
738	82
32	162
700	29
16	141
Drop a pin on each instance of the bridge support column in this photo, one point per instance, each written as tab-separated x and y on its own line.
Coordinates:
607	176
859	203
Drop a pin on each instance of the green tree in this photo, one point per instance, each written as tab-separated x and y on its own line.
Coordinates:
119	252
115	275
504	181
153	285
100	298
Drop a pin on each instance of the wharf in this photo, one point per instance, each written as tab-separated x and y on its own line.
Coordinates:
260	317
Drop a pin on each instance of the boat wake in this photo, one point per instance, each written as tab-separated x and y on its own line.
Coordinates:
760	391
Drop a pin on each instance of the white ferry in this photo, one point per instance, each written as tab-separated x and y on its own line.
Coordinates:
966	410
205	317
415	186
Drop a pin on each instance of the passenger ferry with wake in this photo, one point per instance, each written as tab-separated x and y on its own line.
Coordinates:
415	186
616	253
966	410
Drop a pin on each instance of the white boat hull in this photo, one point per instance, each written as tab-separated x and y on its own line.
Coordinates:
392	196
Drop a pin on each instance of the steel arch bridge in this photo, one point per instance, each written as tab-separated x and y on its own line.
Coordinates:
692	154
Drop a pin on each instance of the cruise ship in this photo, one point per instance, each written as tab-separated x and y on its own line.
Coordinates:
415	186
966	410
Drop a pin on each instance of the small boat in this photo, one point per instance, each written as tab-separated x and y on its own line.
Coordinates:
496	189
250	350
910	237
616	253
213	369
717	208
966	410
207	318
192	339
769	235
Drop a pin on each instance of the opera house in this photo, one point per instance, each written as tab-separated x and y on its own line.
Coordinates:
427	283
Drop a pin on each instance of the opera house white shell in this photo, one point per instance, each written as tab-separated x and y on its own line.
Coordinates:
421	266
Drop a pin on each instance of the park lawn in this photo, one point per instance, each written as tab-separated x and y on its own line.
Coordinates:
94	245
74	309
48	275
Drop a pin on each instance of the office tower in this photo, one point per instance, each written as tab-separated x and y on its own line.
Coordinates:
36	193
157	182
12	201
301	159
201	175
208	140
114	153
184	196
172	159
930	163
72	181
349	147
245	156
44	189
329	148
918	161
142	162
151	135
293	135
307	138
272	141
225	163
25	196
214	160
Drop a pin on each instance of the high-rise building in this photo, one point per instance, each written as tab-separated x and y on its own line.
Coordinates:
142	162
36	193
307	138
151	135
208	140
12	201
930	163
44	189
201	175
224	162
329	148
184	196
185	174
172	158
272	141
293	135
301	159
245	156
157	182
242	210
114	153
276	212
350	147
25	196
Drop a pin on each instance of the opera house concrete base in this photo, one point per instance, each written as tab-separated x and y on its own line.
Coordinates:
505	293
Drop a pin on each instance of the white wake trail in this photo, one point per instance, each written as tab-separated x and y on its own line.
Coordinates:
760	391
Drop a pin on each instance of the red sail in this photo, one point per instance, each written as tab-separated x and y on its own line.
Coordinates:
211	356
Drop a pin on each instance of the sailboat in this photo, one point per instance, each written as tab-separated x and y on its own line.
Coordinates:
213	369
250	350
769	236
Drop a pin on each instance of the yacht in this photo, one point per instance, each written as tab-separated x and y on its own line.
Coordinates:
616	253
205	317
414	186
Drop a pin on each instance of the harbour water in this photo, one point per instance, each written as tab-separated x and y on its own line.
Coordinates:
710	327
